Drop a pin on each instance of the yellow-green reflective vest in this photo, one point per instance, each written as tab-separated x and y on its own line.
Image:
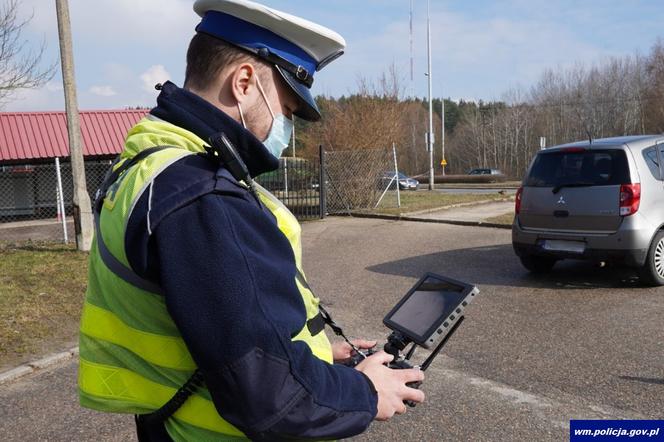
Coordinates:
132	357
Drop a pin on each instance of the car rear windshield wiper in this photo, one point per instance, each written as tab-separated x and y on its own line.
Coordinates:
579	184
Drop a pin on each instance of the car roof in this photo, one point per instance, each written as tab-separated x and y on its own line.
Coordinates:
633	141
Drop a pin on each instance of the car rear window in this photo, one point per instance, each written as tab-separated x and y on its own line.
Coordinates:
590	167
652	161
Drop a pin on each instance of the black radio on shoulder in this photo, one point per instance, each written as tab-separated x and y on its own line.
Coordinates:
222	150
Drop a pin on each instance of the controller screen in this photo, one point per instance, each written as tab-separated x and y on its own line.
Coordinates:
431	302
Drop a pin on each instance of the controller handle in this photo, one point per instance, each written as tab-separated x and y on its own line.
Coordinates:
403	365
359	357
416	385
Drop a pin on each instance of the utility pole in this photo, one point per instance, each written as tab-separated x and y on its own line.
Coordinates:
81	200
430	137
412	63
413	144
442	133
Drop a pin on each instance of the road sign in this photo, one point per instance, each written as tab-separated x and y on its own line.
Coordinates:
443	162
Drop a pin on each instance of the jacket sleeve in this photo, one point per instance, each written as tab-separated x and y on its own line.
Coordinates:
229	279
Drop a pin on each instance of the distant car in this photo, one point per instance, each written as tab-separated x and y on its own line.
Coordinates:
481	171
597	201
405	182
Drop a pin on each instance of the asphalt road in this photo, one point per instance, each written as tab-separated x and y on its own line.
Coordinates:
533	353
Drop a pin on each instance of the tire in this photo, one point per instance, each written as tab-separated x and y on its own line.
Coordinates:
537	264
652	272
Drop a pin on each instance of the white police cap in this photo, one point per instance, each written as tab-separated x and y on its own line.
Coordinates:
295	46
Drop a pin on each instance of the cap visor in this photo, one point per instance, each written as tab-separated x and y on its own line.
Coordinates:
307	109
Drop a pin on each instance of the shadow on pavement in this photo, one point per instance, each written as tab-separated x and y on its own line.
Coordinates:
644	380
498	265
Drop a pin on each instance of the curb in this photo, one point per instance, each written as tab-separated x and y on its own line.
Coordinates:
38	365
454	206
412	216
428	220
29	224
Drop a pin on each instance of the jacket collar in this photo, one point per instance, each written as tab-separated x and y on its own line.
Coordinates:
191	112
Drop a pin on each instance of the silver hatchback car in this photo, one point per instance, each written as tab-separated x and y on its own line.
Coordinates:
601	200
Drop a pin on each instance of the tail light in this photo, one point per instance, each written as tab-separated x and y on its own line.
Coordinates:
517	203
630	199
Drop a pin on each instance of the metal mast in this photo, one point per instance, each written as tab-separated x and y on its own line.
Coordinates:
412	63
430	137
413	133
442	133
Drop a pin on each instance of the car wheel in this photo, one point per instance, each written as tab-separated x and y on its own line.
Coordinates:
652	272
537	264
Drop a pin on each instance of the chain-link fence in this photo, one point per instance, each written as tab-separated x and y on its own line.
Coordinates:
296	184
30	203
358	179
31	208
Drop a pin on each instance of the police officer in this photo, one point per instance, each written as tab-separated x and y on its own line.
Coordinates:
198	318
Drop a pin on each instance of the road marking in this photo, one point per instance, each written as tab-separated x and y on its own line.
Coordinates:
558	412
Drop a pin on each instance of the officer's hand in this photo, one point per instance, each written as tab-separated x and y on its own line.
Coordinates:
391	384
342	352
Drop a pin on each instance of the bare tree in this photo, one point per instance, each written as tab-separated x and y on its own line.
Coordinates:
655	79
368	119
20	68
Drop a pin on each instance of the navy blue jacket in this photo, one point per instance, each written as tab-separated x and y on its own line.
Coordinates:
228	277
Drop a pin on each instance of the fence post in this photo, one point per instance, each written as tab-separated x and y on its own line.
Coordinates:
286	179
61	199
396	173
322	187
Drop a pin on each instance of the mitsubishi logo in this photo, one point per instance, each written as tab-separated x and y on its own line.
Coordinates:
561	200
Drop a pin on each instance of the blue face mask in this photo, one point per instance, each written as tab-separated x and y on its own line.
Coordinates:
279	136
280	132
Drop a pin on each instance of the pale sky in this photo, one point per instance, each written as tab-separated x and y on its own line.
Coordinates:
480	48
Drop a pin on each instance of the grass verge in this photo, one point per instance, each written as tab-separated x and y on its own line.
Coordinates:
505	219
42	287
503	185
423	200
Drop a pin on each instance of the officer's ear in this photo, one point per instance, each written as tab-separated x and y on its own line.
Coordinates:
243	82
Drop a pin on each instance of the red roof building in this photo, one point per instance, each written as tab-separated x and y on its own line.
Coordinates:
28	137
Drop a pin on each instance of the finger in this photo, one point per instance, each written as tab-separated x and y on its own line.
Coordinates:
363	343
411	394
401	408
411	375
380	358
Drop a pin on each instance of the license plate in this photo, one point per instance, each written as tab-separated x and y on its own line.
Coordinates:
555	245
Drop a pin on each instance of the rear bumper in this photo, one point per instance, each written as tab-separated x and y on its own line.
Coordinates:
629	245
634	258
409	186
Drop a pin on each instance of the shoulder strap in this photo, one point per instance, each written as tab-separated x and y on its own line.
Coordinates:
113	174
107	257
